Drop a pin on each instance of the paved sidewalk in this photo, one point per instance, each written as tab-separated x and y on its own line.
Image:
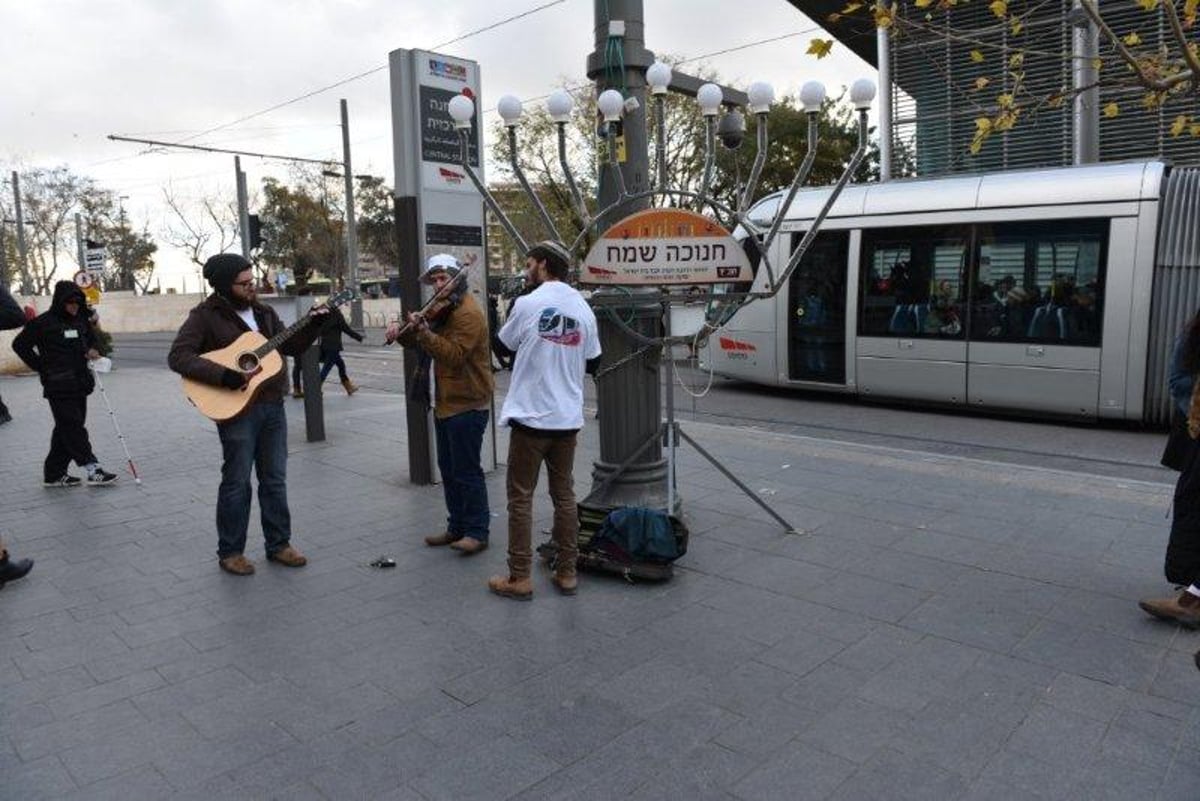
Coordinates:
943	628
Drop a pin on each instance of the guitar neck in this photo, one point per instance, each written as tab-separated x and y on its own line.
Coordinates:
283	336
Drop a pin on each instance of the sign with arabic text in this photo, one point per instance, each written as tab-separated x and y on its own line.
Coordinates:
666	246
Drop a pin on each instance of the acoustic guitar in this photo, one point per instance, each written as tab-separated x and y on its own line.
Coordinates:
254	355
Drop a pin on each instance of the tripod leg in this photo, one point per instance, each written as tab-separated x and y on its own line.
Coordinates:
624	466
788	527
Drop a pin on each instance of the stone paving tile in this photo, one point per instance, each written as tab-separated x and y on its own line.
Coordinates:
924	638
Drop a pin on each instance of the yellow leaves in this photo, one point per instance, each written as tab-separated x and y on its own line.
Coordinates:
981	83
819	47
999	8
976	57
1111	110
1148	5
1015	25
1132	39
923	3
885	15
1055	100
1179	125
1005	101
851	8
983	129
1097	63
1016	60
1189	12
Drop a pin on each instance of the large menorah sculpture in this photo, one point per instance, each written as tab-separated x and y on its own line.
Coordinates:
723	298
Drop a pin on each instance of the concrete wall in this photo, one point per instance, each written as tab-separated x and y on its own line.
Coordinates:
124	313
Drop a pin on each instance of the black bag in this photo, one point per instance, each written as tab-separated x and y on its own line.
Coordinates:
1179	443
634	543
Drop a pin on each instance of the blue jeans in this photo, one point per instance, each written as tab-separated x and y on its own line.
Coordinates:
257	439
331	359
459	442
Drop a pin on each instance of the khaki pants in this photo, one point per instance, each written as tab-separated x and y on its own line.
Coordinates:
526	452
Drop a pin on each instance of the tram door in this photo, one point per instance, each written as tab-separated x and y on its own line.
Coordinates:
816	320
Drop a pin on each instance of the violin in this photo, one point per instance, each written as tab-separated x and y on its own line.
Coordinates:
435	309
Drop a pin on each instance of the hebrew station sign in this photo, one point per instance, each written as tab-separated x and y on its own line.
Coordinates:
666	246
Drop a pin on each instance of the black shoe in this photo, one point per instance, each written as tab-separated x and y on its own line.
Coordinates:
65	480
11	571
101	478
5	417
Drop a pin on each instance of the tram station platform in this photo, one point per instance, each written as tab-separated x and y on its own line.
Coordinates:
941	628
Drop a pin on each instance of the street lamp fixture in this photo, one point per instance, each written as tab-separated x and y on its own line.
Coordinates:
658	75
762	95
862	93
812	95
560	104
461	109
610	104
510	109
709	96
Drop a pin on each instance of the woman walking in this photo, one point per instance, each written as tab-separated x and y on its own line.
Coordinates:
331	348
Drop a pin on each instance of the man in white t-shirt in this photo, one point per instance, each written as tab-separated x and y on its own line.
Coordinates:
552	331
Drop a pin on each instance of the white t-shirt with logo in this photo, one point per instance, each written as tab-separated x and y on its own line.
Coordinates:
553	332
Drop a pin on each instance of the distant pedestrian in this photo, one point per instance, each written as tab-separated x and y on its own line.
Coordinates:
257	439
58	345
457	343
1182	563
11	316
331	348
552	332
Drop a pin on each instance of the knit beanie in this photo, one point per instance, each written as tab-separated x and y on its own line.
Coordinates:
220	270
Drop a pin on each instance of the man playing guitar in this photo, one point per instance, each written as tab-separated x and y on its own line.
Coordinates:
258	437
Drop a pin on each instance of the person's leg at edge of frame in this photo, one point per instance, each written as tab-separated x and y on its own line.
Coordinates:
524	462
270	466
347	384
560	469
466	442
12	569
238	438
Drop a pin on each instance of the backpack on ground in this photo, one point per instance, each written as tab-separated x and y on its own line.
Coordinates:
632	542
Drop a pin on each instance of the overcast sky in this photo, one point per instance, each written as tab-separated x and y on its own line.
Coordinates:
74	71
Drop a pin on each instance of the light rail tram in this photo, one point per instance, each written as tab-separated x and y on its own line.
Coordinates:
1055	292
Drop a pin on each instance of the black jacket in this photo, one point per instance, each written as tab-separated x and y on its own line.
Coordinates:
11	315
214	324
332	330
55	344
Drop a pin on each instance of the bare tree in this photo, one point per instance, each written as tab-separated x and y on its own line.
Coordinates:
200	226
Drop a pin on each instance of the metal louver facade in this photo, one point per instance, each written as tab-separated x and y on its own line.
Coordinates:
1176	282
935	97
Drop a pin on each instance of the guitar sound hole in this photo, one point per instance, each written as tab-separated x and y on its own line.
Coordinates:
247	362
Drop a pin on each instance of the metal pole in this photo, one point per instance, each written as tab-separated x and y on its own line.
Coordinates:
1086	105
883	50
5	281
243	210
22	249
630	396
79	241
356	310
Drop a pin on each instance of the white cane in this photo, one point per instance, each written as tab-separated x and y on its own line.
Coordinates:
103	365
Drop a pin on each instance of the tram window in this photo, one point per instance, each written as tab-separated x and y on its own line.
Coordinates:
1040	282
913	283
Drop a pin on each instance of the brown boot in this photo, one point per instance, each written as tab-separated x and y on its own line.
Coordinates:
520	589
468	546
438	540
1183	609
238	565
348	385
565	583
288	557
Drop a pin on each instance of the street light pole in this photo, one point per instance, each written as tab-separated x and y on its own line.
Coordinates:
629	395
243	207
356	311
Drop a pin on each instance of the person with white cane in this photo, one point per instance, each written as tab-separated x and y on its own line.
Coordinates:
103	365
58	345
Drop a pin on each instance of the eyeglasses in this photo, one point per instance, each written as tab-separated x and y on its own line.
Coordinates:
244	284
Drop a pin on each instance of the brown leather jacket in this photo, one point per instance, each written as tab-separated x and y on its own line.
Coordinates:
214	324
462	361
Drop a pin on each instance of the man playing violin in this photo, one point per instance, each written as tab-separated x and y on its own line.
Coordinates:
454	335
